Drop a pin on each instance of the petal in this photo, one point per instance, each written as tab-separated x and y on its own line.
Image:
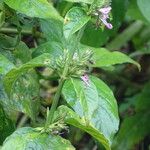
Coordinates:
105	16
108	25
105	10
85	79
96	14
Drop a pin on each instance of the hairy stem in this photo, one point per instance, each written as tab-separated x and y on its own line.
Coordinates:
62	80
57	96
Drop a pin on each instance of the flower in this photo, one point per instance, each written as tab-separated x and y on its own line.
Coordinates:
103	14
85	79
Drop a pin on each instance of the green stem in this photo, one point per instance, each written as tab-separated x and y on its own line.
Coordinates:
22	121
14	30
57	96
62	80
25	32
125	36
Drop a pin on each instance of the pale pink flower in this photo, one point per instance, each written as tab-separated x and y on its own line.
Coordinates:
105	10
105	15
85	79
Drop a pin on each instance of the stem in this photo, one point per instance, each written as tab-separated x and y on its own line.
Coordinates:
62	81
14	30
55	103
57	96
22	121
125	36
25	32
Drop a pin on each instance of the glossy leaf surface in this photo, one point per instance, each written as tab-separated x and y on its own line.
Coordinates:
75	19
80	1
52	29
94	103
28	138
75	120
144	7
104	58
34	8
13	74
24	90
54	49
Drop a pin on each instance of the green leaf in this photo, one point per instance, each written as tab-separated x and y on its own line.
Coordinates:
5	65
34	8
11	77
29	138
25	97
80	1
142	99
73	119
52	29
6	125
139	122
19	50
144	8
75	19
104	58
134	11
2	18
133	130
54	49
100	3
24	91
94	103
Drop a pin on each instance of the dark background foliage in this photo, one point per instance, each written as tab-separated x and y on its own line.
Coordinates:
19	37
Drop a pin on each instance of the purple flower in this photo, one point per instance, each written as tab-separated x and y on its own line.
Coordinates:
104	16
85	79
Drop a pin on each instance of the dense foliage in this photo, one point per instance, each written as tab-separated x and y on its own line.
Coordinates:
55	60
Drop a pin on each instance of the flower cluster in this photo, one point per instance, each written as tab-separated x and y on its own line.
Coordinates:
103	15
78	66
